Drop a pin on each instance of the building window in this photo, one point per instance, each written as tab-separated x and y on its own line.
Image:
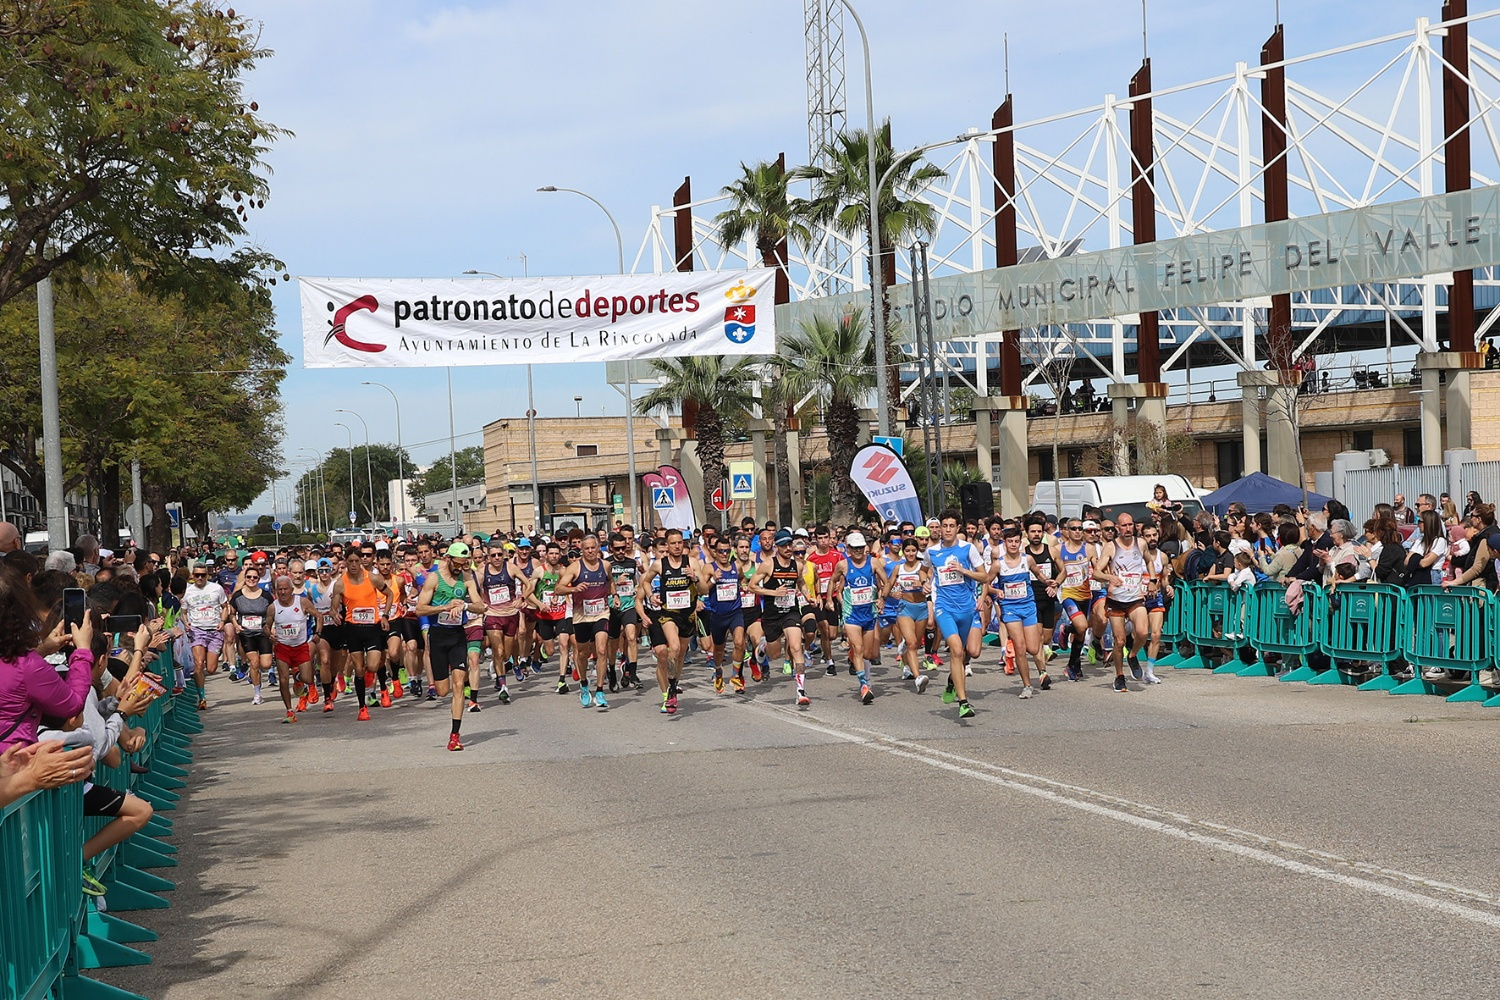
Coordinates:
1411	444
1231	461
588	450
1075	463
1044	466
1364	440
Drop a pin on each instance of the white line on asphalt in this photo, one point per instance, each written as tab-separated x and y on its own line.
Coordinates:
1185	828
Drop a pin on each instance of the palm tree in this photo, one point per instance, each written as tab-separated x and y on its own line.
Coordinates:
708	392
835	362
760	205
840	199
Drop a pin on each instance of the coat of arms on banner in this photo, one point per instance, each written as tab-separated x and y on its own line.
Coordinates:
739	317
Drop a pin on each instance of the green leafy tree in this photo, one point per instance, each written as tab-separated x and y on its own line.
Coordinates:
710	391
190	388
129	140
760	206
840	199
342	497
439	476
834	361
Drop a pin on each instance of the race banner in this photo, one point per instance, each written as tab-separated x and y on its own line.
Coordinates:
438	322
671	499
882	477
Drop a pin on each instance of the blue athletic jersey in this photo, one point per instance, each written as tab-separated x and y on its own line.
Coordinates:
954	592
892	604
1014	584
860	592
723	596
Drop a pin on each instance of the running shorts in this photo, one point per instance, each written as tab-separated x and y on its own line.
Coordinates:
685	621
506	625
548	629
1120	609
1019	611
721	625
255	642
620	619
101	800
409	629
209	638
1156	602
362	638
911	609
449	650
293	656
584	632
951	623
1072	610
777	623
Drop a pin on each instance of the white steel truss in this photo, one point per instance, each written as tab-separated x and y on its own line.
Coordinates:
1379	139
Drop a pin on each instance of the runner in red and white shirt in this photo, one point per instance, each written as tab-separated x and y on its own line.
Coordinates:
292	646
827	604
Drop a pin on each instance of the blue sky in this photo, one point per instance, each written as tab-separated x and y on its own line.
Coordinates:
424	129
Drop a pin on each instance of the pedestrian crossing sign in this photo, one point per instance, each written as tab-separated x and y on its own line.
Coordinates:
663	497
742	480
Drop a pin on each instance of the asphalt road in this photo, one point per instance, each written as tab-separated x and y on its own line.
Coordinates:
1213	836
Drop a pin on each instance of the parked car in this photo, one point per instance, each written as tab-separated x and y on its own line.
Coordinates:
1113	495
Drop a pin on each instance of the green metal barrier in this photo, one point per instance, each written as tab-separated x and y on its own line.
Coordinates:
1216	622
1369	625
1174	625
49	930
1452	629
1271	627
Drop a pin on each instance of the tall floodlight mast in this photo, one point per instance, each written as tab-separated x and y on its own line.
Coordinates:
827	115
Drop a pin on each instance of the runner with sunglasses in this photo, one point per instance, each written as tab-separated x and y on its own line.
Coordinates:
779	583
448	594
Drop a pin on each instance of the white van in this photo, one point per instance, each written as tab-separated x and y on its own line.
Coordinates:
1114	495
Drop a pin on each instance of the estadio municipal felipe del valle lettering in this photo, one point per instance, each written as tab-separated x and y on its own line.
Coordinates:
396	322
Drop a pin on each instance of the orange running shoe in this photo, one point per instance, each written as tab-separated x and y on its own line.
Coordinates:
385	699
341	684
364	714
302	702
865	694
398	691
454	743
369	678
290	717
328	705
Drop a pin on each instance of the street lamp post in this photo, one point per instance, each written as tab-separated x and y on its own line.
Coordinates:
877	292
536	491
351	471
369	472
629	401
400	460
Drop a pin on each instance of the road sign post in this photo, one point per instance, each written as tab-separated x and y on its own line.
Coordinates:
721	498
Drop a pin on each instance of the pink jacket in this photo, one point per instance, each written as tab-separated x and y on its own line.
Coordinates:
31	686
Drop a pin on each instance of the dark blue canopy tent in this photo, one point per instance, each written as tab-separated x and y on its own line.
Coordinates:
1260	492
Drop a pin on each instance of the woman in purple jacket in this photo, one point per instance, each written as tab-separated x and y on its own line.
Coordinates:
29	685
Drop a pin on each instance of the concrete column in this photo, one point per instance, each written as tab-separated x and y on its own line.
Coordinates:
794	469
758	431
1458	418
1281	434
1001	425
1460	412
1281	445
1151	406
667	439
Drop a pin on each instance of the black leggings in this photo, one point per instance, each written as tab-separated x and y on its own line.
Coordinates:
449	648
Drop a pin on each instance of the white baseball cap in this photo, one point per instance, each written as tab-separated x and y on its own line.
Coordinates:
854	540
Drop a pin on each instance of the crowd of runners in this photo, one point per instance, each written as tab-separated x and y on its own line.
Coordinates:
462	620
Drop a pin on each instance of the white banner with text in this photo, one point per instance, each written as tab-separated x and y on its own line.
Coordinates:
436	322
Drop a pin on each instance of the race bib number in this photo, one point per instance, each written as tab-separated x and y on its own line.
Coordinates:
823	582
327	619
727	591
203	618
1130	583
500	594
1074	575
678	600
252	623
450	618
859	596
747	600
950	576
362	616
909	582
290	635
785	601
594	606
1016	590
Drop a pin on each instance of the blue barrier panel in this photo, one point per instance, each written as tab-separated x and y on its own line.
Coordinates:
1216	621
1273	628
1368	625
1174	625
41	847
1452	629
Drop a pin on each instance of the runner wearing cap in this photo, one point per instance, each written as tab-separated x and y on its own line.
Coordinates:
319	590
909	584
958	565
719	581
778	581
857	581
291	614
750	608
448	594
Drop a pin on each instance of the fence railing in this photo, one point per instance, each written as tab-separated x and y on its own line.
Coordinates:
50	931
1376	636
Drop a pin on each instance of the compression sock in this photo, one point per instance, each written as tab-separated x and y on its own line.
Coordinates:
328	690
382	675
1076	653
456	724
359	688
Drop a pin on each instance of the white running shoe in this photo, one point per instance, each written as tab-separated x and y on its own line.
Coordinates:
968	670
1027	692
256	699
921	683
1150	677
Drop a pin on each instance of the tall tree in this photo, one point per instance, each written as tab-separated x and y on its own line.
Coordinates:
128	139
841	199
710	391
344	496
438	477
760	206
189	388
835	362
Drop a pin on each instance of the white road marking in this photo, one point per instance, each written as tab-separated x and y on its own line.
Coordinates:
1143	816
